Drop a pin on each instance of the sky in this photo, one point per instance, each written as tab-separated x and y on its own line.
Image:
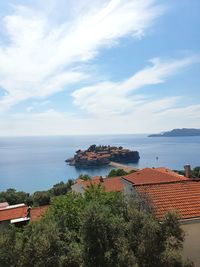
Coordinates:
98	66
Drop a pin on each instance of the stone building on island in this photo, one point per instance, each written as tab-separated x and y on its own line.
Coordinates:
102	155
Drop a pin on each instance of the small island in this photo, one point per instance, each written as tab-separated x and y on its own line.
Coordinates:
178	133
103	155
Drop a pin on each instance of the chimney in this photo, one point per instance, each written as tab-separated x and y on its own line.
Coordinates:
187	171
101	179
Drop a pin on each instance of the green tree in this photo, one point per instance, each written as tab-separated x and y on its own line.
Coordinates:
92	148
84	177
41	198
196	172
95	229
61	188
40	245
117	172
104	239
13	197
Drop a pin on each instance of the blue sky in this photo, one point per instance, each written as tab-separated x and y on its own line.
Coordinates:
98	67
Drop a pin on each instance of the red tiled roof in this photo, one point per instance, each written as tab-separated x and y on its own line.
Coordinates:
13	213
182	196
109	184
113	184
153	176
78	181
38	212
21	212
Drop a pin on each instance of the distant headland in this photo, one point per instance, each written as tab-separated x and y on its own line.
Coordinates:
178	133
103	155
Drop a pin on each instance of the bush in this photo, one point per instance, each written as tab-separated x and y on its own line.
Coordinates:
41	198
84	177
13	197
38	198
98	229
117	172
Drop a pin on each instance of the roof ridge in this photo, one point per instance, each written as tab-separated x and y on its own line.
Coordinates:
158	183
14	208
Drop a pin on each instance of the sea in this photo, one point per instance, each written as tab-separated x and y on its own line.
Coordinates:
37	163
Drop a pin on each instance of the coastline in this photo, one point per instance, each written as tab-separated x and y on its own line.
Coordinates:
122	166
34	164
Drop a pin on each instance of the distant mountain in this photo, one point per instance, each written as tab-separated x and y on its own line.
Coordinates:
178	133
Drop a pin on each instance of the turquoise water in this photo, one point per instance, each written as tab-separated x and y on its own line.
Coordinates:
36	163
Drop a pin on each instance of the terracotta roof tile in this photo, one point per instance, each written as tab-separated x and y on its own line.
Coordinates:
38	212
113	184
109	184
78	181
182	196
13	213
153	176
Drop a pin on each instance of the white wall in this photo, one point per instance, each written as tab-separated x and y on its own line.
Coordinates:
77	188
191	247
128	187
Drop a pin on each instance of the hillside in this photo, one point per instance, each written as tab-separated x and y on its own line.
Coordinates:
178	133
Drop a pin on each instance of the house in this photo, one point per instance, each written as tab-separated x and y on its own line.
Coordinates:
15	214
184	198
166	191
19	214
109	184
126	183
169	191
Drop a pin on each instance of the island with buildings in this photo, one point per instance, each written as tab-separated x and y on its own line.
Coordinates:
103	155
178	133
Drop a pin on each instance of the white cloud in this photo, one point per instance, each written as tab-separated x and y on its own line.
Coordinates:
40	56
30	109
143	121
45	51
110	97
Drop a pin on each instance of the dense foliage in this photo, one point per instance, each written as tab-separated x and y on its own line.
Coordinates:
118	172
38	198
195	172
84	177
95	230
13	197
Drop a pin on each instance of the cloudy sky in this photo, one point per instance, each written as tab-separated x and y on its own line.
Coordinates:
98	66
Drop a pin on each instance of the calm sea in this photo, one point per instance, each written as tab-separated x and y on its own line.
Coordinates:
37	163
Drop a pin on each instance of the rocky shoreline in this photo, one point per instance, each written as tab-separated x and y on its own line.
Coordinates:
103	155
